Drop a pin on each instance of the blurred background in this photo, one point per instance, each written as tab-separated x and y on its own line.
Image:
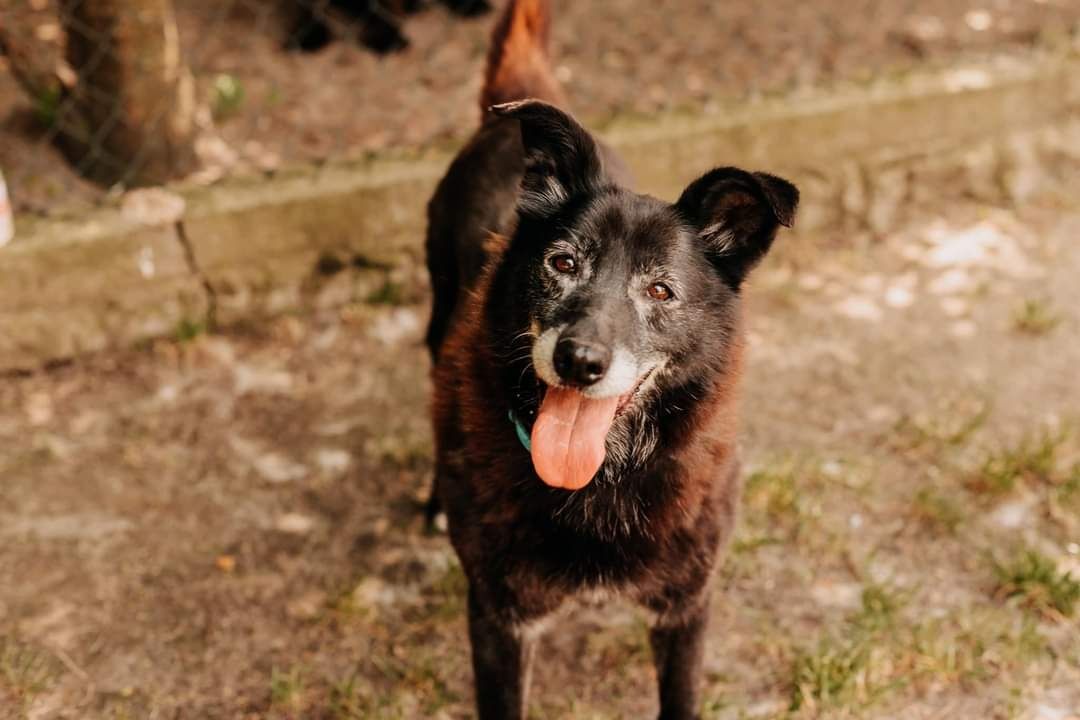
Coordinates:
214	442
256	85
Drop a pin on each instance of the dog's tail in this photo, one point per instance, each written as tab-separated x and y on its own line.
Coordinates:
517	65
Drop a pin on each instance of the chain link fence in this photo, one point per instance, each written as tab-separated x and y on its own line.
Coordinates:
100	95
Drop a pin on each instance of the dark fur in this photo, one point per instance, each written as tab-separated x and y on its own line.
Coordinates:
374	23
651	524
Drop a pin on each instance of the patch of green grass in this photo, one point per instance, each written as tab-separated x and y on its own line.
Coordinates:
446	595
412	690
832	674
742	546
403	451
619	647
120	709
274	96
345	703
875	653
936	511
389	293
850	667
47	106
419	688
362	600
427	678
784	500
844	669
228	95
1035	581
187	329
1033	460
712	707
286	688
880	607
1035	316
575	708
950	424
952	650
24	674
1070	479
772	490
1068	491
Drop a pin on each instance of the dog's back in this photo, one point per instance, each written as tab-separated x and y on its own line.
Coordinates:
484	178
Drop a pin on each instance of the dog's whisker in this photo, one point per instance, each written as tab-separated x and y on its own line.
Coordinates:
526	334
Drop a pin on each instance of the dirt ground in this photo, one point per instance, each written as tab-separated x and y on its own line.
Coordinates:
228	526
264	108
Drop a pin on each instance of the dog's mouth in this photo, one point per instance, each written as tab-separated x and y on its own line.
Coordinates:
569	434
625	401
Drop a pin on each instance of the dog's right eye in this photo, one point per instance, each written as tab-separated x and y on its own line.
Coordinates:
564	264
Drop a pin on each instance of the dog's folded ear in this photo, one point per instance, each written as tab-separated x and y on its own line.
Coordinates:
736	215
561	158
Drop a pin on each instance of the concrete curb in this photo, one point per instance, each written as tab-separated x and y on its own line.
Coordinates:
189	257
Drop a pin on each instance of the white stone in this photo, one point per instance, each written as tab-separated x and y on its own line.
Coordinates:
332	461
294	523
276	468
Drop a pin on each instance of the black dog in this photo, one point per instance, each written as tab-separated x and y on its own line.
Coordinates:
587	346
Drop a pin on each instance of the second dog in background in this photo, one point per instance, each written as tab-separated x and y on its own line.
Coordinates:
376	24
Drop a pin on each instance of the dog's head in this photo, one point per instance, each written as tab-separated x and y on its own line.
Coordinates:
621	295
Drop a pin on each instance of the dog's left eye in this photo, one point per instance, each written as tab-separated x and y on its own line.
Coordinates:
564	264
660	292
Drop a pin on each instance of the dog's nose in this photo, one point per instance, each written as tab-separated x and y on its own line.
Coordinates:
579	362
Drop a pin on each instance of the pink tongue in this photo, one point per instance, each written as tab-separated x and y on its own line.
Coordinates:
568	437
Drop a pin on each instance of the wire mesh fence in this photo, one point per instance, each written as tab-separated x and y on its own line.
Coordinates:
100	95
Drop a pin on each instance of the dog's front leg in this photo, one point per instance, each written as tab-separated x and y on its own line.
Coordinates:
678	649
502	661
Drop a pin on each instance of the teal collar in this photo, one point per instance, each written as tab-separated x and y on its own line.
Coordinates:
522	433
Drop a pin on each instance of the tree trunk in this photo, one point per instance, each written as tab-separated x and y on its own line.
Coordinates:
124	103
134	97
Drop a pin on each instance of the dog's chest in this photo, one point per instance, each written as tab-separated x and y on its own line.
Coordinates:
602	604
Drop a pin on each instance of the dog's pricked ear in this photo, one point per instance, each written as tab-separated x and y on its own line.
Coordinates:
561	158
736	215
